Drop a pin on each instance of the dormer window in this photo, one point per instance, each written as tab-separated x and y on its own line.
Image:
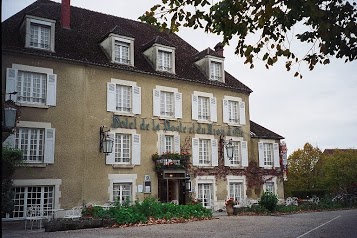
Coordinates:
39	33
119	49
216	71
121	52
164	61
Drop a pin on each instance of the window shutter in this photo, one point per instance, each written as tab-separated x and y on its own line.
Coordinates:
227	162
214	145
156	102
136	149
225	111
110	158
244	149
242	113
111	97
136	100
177	144
162	144
213	109
11	76
10	141
178	105
49	157
276	155
194	107
51	89
261	154
195	149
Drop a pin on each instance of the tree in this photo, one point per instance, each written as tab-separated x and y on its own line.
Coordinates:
10	159
301	167
329	27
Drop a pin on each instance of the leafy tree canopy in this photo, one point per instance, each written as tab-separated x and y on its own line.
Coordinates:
329	27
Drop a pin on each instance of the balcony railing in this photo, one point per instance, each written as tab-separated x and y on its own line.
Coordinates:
170	161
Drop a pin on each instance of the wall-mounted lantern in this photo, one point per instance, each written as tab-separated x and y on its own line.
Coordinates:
106	143
229	149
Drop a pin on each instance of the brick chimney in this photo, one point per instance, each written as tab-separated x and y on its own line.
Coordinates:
66	14
219	49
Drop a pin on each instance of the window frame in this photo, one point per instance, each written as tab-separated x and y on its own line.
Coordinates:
270	180
168	51
211	62
241	179
275	155
241	110
211	110
176	100
243	153
212	150
122	178
211	180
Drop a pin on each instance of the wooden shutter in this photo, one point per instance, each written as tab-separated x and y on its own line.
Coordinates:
156	102
213	109
195	151
51	89
242	113
276	155
111	97
177	144
11	76
110	158
261	154
136	92
194	107
136	149
225	111
244	150
49	157
178	105
162	148
214	145
10	141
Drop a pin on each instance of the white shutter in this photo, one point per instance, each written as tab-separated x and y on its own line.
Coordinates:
136	100
261	154
178	105
110	158
194	107
162	144
136	149
276	155
213	109
49	146
111	97
177	144
242	113
225	111
227	161
51	89
244	149
195	151
156	102
214	145
10	141
11	76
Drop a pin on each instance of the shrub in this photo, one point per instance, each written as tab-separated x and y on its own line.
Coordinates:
269	201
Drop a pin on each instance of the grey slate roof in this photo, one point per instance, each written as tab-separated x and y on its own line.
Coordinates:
258	131
81	43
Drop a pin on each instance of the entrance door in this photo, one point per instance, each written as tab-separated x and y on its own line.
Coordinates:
172	189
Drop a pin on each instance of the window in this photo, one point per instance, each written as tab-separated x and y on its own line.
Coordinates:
268	154
40	36
233	111
126	148
216	71
122	192
269	187
169	142
164	61
204	151
236	190
167	102
237	158
24	197
35	86
204	107
123	97
240	153
121	52
204	194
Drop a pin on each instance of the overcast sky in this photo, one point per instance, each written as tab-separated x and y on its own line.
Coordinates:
320	109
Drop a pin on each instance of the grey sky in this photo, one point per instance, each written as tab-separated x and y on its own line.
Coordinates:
320	109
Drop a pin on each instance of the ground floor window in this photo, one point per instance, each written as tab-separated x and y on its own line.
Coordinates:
236	191
25	197
122	192
269	187
204	194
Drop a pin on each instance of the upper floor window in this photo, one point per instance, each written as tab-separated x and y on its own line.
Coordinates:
233	111
216	71
268	154
167	102
161	56
164	61
119	49
169	142
240	153
204	151
121	52
35	86
123	97
204	107
40	36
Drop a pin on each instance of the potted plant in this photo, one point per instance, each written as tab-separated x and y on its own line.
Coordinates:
230	202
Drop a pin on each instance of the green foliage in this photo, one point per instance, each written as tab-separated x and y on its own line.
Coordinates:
269	200
10	159
330	27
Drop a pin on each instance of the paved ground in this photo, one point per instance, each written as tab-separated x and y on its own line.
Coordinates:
339	224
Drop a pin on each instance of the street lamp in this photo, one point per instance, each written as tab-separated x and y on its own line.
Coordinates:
106	143
10	114
229	149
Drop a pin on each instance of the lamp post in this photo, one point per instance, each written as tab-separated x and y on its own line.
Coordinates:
106	143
